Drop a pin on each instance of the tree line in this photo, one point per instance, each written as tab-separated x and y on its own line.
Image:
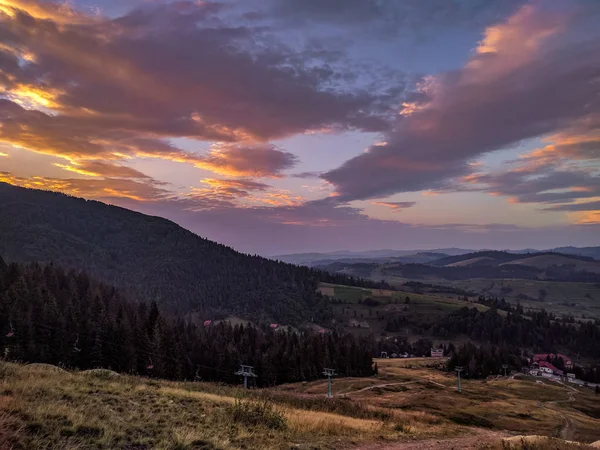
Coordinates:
539	330
66	318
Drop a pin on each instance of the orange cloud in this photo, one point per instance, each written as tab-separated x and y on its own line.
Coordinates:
81	143
395	206
102	189
587	217
61	12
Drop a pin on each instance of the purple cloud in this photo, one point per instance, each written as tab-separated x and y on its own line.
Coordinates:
532	75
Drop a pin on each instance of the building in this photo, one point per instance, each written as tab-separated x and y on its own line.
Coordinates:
548	369
356	324
437	352
552	356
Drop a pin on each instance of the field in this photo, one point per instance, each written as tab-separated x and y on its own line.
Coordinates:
409	403
578	299
581	300
419	309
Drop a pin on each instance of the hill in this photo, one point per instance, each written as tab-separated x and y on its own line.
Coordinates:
541	260
547	260
154	259
424	256
68	319
592	252
407	406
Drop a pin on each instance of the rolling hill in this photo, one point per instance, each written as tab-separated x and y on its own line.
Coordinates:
546	260
154	259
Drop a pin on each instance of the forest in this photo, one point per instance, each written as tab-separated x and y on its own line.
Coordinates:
153	259
538	330
65	318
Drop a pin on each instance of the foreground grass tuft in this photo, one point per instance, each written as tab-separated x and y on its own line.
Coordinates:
257	413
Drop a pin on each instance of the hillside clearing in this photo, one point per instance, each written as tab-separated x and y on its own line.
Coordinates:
408	403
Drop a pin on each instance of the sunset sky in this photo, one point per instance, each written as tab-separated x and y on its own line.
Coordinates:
279	126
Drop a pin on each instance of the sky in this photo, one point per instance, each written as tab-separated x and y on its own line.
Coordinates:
288	126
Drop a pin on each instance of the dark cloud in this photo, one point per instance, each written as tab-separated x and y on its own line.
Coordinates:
530	76
545	185
306	175
170	70
397	16
587	206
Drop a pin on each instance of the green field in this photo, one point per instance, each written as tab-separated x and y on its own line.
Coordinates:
578	299
420	310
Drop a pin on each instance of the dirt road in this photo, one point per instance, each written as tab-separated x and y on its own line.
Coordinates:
475	441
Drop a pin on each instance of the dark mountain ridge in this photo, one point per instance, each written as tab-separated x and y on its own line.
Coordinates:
494	258
154	259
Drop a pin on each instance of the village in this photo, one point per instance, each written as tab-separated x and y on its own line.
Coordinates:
540	365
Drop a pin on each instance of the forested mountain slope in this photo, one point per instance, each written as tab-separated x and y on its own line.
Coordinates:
63	318
154	259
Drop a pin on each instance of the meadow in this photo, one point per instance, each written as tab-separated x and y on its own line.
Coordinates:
420	310
410	401
577	299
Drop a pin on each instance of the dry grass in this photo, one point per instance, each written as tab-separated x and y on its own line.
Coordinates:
538	443
44	408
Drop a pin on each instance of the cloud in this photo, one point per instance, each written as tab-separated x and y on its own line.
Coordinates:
575	207
395	16
542	185
396	206
85	145
532	75
102	169
106	189
173	70
306	175
257	161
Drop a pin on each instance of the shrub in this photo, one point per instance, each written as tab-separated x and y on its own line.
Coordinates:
254	413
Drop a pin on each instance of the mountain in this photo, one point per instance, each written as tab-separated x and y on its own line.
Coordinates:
69	319
538	260
372	256
154	259
486	264
592	252
417	256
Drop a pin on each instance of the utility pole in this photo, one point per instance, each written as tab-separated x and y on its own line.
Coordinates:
329	373
246	372
459	369
505	366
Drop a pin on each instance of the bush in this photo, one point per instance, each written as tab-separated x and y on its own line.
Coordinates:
254	413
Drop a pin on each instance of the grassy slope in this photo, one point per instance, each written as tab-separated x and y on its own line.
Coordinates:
45	408
561	297
518	406
573	298
422	309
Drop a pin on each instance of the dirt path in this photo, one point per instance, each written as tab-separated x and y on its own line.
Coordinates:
368	388
474	441
567	430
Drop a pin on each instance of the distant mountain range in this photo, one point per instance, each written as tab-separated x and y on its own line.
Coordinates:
419	256
484	264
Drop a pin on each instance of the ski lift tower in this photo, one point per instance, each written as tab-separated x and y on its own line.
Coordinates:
246	372
329	373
